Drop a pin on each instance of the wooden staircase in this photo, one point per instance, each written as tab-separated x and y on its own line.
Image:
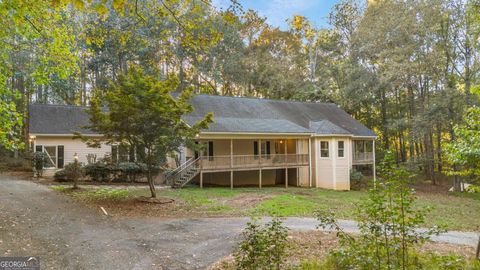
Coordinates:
184	173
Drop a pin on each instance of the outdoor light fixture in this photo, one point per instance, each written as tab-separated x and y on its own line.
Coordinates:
197	135
32	138
281	141
75	156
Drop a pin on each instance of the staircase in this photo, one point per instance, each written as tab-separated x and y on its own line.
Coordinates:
184	173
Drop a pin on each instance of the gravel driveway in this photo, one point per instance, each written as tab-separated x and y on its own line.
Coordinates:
36	221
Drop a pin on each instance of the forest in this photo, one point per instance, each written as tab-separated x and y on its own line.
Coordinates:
408	69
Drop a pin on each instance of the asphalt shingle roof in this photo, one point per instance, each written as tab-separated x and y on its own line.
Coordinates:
57	119
231	114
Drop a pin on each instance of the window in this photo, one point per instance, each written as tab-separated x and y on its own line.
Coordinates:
124	153
255	149
265	149
341	149
54	155
324	149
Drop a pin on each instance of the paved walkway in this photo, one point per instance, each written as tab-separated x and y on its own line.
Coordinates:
35	220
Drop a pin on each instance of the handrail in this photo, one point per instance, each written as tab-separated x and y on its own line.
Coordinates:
181	168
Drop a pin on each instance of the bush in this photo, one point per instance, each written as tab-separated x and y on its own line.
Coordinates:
60	176
472	189
388	222
38	162
99	171
356	180
69	172
262	247
131	170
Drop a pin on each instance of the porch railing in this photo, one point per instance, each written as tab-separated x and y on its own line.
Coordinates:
363	158
252	161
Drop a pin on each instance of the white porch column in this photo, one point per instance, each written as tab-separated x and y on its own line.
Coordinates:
260	178
286	167
259	150
231	163
374	169
310	162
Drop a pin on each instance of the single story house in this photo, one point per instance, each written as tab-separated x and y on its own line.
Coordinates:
252	141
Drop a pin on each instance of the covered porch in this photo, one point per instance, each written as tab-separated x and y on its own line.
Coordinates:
253	161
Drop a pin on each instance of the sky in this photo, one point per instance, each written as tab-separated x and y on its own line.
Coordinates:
277	11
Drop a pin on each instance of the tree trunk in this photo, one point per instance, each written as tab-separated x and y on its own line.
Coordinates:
150	182
439	148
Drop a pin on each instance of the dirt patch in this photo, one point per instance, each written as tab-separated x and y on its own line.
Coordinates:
133	207
315	246
247	200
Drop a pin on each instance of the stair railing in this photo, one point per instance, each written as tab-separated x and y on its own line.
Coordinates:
177	173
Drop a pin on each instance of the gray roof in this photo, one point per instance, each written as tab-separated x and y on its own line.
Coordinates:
57	119
240	114
231	114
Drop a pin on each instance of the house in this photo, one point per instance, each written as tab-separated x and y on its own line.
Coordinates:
259	142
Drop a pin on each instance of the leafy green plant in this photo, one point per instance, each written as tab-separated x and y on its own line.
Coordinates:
69	172
38	162
473	189
262	247
99	171
131	170
356	179
389	225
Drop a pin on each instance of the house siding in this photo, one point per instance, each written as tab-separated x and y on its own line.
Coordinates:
332	172
72	146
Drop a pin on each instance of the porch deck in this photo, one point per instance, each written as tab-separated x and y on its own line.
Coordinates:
249	162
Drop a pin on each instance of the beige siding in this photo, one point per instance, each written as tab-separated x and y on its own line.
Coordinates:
332	172
73	146
303	177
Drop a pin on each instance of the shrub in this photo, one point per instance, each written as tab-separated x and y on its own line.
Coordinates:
472	189
38	162
69	172
99	171
356	179
60	176
131	170
388	222
262	247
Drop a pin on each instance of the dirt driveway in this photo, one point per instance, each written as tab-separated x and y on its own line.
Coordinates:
36	221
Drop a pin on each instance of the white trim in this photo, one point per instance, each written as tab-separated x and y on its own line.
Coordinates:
338	148
63	135
320	149
334	166
254	133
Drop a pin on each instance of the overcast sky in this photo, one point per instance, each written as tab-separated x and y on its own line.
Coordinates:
277	11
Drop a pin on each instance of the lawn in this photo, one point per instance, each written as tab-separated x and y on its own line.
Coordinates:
454	211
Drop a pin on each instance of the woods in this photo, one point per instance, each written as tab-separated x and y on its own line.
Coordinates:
406	69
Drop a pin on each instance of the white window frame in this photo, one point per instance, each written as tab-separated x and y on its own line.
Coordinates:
342	148
56	154
322	149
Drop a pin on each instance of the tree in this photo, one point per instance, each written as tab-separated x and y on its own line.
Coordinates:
389	225
142	112
464	151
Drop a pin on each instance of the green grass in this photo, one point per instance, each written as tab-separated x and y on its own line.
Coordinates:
456	211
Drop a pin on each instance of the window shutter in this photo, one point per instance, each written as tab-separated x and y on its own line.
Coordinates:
115	153
268	148
210	150
60	156
255	148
